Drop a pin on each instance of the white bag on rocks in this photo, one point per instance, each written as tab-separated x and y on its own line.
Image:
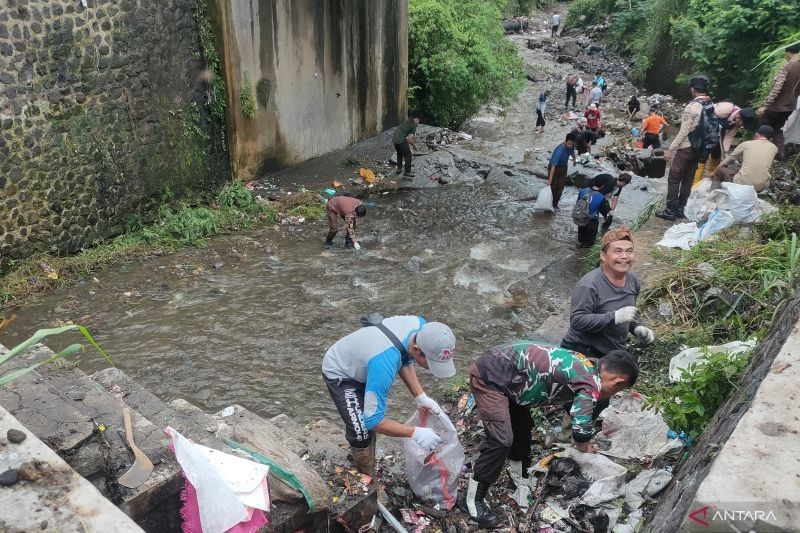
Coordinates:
694	355
743	202
544	201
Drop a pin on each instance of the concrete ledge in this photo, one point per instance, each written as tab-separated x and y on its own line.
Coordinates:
754	483
60	500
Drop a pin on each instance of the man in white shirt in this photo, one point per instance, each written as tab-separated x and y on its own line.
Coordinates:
555	21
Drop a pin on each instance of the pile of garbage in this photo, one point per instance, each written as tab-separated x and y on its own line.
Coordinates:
444	137
566	490
517	25
711	211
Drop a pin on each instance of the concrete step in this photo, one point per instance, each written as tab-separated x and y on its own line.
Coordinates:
60	391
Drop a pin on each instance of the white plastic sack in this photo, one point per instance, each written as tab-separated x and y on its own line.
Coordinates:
694	355
699	206
607	477
226	485
433	476
743	202
544	201
717	221
635	433
646	485
682	236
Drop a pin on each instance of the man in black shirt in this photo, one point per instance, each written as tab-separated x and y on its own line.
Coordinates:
587	138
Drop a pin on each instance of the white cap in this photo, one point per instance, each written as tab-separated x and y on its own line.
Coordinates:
438	344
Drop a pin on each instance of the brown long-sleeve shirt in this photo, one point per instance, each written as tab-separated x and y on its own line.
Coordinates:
785	90
345	206
690	119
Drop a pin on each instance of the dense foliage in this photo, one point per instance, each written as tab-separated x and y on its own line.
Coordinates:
459	59
724	39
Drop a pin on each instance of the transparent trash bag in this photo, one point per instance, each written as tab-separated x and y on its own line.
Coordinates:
544	201
433	475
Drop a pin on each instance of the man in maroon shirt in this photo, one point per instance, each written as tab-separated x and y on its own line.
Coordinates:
348	208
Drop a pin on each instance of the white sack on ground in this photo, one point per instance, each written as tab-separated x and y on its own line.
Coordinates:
694	355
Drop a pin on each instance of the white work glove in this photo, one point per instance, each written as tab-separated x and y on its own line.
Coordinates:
626	314
426	438
645	334
356	246
426	402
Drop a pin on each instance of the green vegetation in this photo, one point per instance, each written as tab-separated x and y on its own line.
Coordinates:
729	288
217	101
459	59
728	41
38	337
246	98
303	204
172	228
689	405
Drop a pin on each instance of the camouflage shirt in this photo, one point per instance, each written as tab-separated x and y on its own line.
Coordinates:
534	373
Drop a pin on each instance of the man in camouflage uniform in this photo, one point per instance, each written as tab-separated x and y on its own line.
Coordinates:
508	380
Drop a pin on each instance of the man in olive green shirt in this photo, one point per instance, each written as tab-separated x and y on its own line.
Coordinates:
403	140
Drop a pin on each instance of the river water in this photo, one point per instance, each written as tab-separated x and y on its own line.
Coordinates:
248	318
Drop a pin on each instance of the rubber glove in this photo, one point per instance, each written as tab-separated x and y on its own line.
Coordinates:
426	402
645	334
356	246
426	438
626	314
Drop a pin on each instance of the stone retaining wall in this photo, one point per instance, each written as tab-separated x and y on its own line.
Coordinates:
102	108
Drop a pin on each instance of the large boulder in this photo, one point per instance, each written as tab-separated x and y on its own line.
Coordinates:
569	47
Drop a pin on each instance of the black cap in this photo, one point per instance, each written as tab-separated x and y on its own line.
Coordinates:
700	82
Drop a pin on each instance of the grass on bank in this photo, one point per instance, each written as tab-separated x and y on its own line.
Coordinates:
729	288
172	228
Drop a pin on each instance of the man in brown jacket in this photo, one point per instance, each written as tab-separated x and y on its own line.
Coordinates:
782	99
348	208
683	156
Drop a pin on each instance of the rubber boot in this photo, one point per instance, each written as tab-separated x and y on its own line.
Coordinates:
475	505
364	458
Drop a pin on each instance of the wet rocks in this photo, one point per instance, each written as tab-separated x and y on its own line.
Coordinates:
569	47
9	477
15	436
31	470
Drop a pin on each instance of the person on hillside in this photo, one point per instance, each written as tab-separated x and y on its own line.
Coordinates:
348	208
603	308
541	106
403	140
652	125
579	87
593	117
586	139
359	371
559	164
782	98
684	159
510	379
756	158
597	205
595	95
600	81
555	22
572	93
634	106
732	118
607	184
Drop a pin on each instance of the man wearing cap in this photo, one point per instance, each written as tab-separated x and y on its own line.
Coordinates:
508	380
684	158
359	370
603	308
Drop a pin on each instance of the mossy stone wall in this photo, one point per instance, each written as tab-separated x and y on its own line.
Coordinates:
102	109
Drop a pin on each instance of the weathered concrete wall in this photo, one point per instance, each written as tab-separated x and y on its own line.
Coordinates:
101	108
322	74
763	460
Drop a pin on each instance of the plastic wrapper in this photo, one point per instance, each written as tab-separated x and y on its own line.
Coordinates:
433	475
544	201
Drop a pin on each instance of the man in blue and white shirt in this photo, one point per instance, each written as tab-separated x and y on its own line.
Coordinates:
359	370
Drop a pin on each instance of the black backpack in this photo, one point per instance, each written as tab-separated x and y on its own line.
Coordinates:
376	320
705	136
580	212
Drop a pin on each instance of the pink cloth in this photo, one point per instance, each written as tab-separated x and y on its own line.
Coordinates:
190	513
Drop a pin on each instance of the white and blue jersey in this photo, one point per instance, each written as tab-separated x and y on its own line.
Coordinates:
368	356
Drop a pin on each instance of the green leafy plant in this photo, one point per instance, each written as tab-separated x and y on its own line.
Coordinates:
689	405
37	337
584	13
459	59
236	195
246	97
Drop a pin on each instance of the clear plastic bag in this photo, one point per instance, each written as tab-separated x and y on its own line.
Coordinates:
544	201
717	221
433	475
